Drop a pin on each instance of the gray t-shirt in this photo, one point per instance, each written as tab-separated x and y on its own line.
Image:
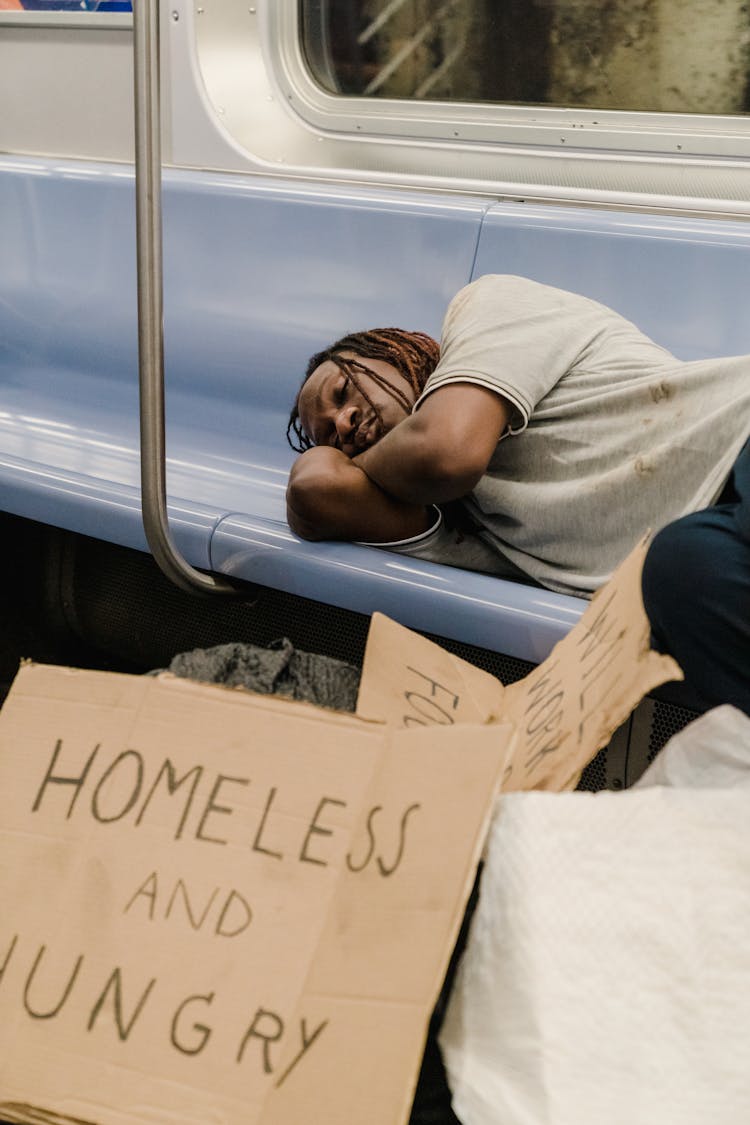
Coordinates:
610	434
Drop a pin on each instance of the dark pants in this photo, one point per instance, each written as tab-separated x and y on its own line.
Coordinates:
696	589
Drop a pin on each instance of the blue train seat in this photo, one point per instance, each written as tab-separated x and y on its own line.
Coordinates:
259	273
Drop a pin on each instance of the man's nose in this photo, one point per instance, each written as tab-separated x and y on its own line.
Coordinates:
346	423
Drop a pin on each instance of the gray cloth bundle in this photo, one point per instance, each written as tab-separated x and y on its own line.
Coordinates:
280	669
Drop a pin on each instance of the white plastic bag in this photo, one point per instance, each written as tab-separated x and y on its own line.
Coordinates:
607	976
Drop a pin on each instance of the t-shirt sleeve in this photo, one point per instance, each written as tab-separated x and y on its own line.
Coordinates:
514	336
440	545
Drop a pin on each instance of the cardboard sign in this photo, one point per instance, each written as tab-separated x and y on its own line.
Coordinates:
224	908
410	682
564	711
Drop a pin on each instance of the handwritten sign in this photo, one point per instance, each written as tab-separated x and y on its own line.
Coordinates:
220	907
408	681
563	712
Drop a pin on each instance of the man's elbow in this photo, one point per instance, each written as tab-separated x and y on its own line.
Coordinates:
460	479
303	527
303	501
318	493
450	474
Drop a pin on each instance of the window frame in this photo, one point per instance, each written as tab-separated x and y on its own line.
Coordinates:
586	130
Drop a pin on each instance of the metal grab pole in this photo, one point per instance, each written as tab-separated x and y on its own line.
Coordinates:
150	306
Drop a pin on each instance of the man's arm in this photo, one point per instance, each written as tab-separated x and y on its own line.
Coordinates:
330	497
438	454
441	452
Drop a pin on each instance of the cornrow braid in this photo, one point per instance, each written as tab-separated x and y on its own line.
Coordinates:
414	354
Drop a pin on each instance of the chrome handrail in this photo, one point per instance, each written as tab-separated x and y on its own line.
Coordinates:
147	103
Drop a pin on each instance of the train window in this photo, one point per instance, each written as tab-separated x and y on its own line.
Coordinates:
669	56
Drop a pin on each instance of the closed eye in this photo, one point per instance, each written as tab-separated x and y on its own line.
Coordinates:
339	395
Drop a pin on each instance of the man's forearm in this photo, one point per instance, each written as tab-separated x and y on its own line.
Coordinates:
330	497
441	452
398	464
409	465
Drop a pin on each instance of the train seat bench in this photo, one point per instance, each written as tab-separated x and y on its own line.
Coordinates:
259	273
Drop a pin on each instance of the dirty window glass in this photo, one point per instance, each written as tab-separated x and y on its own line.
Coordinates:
676	56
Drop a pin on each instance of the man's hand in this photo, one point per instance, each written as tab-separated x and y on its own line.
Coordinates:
330	497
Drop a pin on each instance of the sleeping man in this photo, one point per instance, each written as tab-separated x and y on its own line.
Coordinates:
562	434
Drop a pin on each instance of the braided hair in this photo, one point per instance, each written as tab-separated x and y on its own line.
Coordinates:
414	354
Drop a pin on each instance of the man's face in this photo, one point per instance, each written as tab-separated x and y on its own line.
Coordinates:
334	411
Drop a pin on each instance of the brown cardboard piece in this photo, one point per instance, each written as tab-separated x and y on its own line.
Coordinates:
564	711
223	908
